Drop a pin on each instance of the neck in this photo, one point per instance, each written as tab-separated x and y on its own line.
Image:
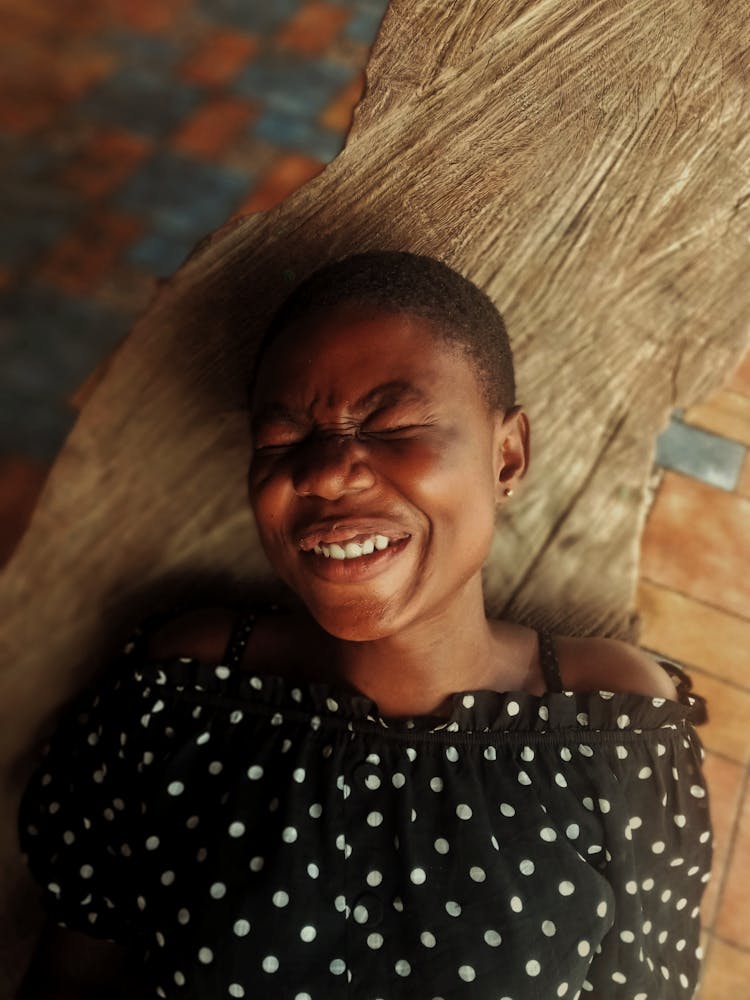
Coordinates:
415	670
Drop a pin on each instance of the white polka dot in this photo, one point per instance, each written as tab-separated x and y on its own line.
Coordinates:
375	941
627	936
467	973
332	705
565	754
658	847
206	956
312	870
585	751
256	863
316	810
619	977
372	781
516	904
215	767
236	829
175	788
490	753
298	774
623	721
527	867
588	803
645	772
523	778
411	753
255	772
631	887
463	811
492	938
562	989
436	784
398	780
604	805
270	963
289	834
418	876
548	928
697	791
583	948
543	713
513	708
621	752
548	834
560	780
572	831
566	888
427	939
337	966
191	822
280	898
179	978
308	933
218	890
86	871
241	928
527	754
533	968
452	754
477	874
453	908
507	810
468	700
183	916
374	818
441	845
402	967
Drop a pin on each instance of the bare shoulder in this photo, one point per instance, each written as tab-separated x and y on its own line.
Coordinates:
202	633
611	665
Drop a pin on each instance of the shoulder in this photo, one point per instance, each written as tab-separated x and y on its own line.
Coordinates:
202	633
611	665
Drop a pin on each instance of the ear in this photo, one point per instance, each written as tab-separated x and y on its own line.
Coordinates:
511	450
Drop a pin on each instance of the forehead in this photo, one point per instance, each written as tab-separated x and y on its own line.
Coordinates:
362	345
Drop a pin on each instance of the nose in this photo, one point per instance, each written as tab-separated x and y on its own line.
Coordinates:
332	465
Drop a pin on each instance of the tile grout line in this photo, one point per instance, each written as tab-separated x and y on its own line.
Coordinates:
689	597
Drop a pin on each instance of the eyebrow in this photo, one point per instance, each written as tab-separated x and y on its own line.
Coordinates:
383	395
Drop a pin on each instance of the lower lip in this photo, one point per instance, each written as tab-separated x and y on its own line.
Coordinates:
346	570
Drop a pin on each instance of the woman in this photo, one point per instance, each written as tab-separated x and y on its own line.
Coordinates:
374	791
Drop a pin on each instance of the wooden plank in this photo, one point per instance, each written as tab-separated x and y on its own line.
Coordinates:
587	163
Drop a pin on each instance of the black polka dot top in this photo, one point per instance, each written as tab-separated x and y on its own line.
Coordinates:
247	836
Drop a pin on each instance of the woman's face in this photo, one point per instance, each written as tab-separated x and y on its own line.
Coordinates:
367	427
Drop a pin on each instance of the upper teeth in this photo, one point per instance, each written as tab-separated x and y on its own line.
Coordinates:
351	550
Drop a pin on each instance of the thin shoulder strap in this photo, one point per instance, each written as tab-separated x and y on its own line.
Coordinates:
241	631
549	663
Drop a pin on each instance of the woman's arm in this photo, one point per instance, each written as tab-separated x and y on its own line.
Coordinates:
68	965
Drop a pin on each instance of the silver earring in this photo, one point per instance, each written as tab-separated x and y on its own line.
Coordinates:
508	493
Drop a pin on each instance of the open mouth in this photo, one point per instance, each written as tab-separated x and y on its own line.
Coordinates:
350	558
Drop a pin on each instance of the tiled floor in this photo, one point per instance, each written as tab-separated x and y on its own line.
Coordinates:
129	130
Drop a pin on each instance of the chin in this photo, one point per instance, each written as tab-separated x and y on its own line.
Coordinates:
357	621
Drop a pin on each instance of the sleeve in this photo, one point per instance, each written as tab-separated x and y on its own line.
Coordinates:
77	816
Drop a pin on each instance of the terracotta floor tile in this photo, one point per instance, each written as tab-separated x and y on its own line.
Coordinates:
726	973
21	482
733	917
694	633
727	731
287	174
740	379
313	28
220	58
726	413
338	114
743	483
725	782
214	126
697	542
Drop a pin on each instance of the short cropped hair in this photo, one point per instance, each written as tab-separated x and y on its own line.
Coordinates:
398	281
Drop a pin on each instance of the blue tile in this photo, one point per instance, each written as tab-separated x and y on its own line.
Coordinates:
700	454
34	426
261	16
291	132
153	51
53	341
296	86
34	218
161	253
148	101
182	197
364	23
